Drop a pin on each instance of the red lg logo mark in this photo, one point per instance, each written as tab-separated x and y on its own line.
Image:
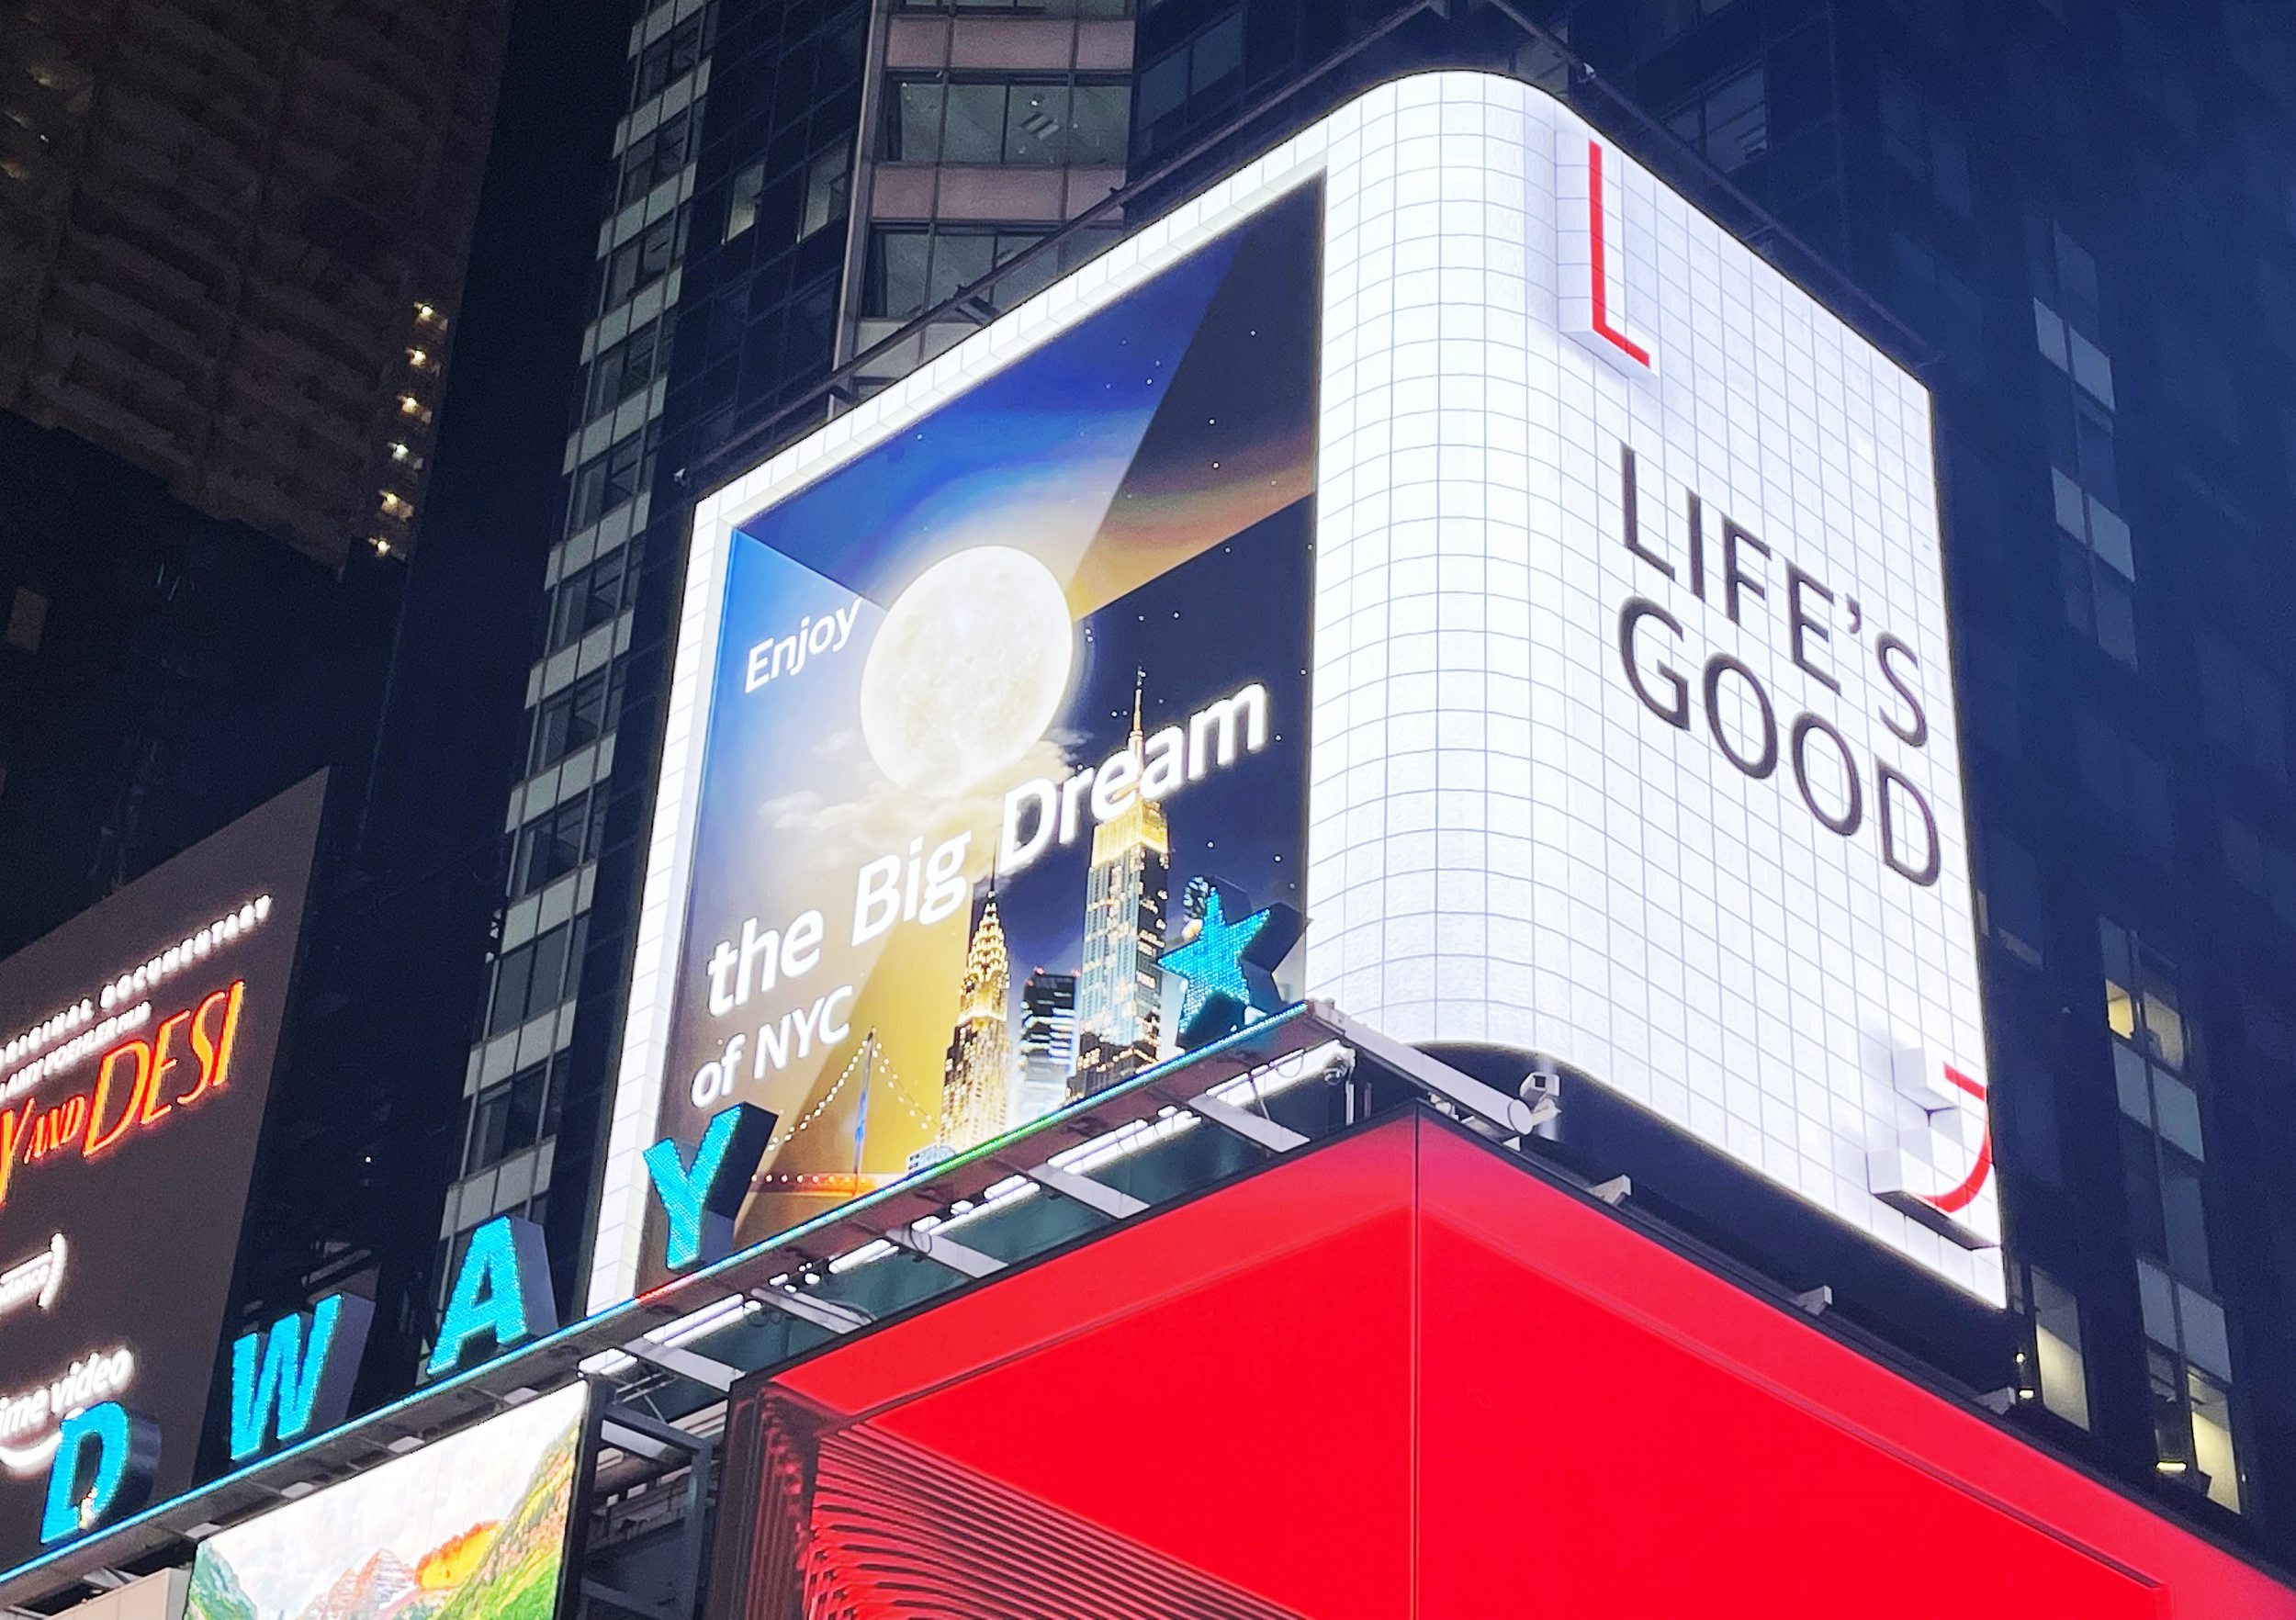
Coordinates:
1943	1155
1594	280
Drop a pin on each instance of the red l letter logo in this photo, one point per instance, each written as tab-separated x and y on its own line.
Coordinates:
1586	241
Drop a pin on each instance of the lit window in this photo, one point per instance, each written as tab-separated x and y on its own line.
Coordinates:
828	185
2213	1437
2057	1372
2164	1160
742	211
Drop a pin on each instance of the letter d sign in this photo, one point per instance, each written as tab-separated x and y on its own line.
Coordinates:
127	1454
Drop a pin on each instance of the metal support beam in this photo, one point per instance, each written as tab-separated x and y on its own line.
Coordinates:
684	1363
945	1250
669	1437
822	1313
694	1534
622	1437
614	1597
1488	1103
1243	1122
1085	1190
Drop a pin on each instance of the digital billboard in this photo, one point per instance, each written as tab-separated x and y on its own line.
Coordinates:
470	1527
136	1049
991	706
1510	571
1403	1373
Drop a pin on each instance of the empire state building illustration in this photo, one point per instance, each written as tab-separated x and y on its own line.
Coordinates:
974	1084
1125	896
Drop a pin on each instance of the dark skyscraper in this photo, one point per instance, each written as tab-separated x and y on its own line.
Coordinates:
233	254
1048	1040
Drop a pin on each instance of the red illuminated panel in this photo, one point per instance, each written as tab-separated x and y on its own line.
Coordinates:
1400	1376
1120	1390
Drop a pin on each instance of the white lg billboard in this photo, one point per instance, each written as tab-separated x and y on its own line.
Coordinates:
1438	527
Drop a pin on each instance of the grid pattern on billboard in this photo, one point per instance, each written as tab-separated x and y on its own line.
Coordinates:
1507	844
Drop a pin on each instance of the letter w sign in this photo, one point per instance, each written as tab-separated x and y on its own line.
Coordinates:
295	1379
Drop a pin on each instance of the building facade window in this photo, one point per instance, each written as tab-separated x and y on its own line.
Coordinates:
1201	75
828	190
2011	906
626	368
590	597
2258	864
27	619
1728	123
643	260
509	1117
1940	303
671	56
934	122
560	840
1665	18
1924	140
915	268
576	717
2240	704
2097	568
1030	7
2055	1369
656	156
2097	555
2128	783
2164	1158
537	976
616	475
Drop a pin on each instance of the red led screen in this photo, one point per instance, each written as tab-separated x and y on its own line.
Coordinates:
1400	1376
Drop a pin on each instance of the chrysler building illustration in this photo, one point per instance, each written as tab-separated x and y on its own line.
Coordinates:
979	1070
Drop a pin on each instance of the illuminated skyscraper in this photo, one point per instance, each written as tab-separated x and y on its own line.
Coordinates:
1125	897
1048	1043
972	1086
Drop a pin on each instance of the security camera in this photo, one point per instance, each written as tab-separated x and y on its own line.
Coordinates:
1340	1067
1540	1098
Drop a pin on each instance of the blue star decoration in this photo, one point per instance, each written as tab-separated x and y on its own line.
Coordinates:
1229	970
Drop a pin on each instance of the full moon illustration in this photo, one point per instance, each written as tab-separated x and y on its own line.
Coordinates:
967	671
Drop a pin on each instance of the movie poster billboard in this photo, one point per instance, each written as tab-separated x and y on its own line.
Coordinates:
1512	572
471	1527
136	1049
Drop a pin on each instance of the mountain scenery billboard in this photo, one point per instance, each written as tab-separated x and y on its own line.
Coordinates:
472	1528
